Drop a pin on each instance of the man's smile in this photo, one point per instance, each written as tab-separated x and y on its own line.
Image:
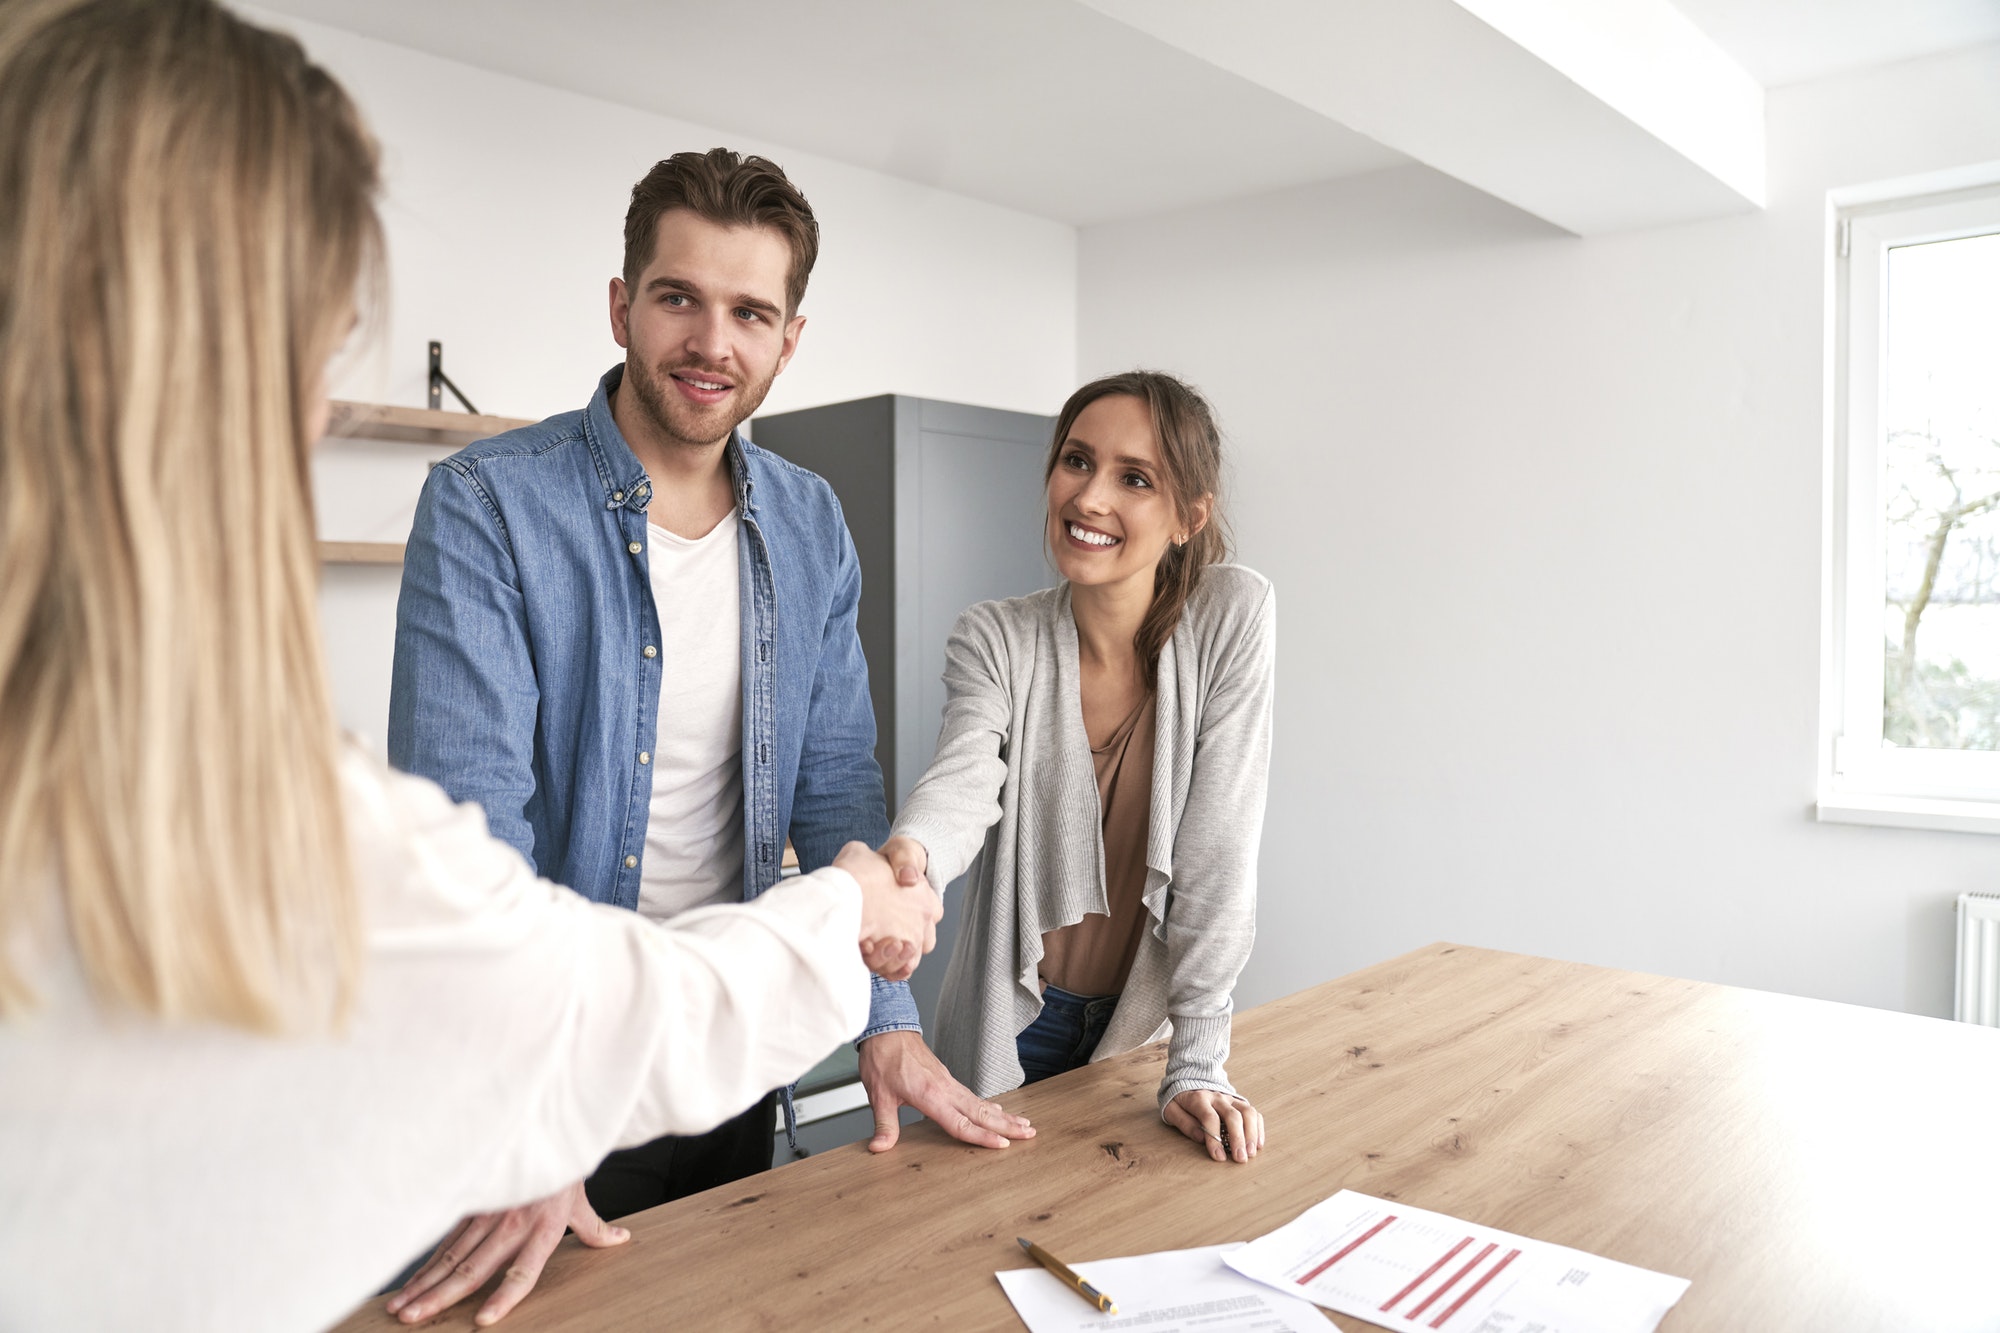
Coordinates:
701	387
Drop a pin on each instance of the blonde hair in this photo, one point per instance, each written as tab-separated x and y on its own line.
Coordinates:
186	208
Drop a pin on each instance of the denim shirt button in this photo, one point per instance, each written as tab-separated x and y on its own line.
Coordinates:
650	651
645	757
618	497
634	547
631	863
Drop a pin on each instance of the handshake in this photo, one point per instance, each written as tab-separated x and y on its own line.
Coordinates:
899	909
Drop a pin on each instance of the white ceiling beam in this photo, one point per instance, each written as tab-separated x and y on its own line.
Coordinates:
1595	115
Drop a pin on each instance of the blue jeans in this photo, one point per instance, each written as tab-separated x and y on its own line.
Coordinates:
1065	1034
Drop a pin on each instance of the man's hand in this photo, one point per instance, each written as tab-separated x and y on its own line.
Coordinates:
898	1070
898	922
1229	1127
521	1238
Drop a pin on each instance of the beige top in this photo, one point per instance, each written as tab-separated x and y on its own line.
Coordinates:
1094	956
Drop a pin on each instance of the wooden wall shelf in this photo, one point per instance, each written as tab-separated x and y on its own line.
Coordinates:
413	425
405	425
361	553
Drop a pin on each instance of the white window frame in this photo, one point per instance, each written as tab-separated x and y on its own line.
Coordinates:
1860	780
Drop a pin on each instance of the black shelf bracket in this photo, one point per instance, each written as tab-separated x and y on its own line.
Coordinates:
440	380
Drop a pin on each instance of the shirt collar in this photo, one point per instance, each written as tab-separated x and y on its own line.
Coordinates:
619	472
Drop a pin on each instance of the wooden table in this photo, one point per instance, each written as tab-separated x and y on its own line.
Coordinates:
1810	1166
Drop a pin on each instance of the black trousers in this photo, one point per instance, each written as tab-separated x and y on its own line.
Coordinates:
674	1167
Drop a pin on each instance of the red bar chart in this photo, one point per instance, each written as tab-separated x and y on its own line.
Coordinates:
1407	1268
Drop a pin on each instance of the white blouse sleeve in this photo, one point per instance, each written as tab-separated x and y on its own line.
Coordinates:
587	1026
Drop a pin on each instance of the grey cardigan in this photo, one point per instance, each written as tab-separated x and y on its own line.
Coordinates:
1012	793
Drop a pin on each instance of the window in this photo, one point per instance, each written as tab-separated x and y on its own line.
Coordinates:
1912	707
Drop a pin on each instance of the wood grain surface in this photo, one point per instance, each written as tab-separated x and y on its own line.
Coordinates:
413	425
361	553
1810	1166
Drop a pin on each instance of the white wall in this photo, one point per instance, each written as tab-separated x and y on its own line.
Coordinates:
1544	512
504	204
1544	517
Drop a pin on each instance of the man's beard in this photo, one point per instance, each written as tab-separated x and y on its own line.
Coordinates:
681	421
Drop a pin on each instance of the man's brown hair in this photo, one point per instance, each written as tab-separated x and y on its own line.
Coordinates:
729	190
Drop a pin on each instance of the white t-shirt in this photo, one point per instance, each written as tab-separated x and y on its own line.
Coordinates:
694	827
508	1034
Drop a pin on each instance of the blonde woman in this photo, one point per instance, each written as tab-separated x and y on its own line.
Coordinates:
1102	770
241	966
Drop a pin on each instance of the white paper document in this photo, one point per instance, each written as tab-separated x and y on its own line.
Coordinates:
1174	1291
1405	1268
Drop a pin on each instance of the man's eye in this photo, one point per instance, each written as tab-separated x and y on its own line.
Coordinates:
749	315
673	298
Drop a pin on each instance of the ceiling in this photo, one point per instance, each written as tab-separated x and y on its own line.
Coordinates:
1047	106
1789	41
1040	105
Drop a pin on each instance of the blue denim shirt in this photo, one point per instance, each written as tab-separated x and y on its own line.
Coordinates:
527	672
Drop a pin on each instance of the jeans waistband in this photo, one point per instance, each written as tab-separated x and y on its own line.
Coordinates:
1070	1002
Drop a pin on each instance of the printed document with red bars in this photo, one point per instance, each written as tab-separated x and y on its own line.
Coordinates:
1406	1268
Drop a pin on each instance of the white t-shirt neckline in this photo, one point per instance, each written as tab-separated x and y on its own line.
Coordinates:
694	825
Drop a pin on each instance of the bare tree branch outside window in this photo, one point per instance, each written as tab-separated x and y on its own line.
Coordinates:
1941	489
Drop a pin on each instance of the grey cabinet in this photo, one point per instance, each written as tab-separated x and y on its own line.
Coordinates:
945	502
946	506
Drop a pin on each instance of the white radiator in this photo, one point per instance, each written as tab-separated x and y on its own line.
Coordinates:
1978	959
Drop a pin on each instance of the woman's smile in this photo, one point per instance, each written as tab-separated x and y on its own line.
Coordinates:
1090	538
1110	516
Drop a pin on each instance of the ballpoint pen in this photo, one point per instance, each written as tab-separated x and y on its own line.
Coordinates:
1068	1275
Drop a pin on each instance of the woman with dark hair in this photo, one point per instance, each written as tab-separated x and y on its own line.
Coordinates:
1102	769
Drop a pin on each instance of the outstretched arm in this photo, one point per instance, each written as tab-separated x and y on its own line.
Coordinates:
958	798
619	1028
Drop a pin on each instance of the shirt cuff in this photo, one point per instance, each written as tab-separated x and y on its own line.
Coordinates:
891	1008
839	878
1196	1053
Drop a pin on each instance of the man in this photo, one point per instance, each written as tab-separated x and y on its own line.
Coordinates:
629	634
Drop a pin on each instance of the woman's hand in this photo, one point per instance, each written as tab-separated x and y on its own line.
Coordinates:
908	858
518	1239
898	921
1230	1127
